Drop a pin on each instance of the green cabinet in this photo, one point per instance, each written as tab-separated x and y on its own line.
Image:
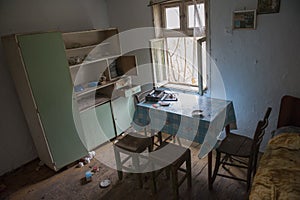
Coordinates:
123	111
40	71
97	124
64	123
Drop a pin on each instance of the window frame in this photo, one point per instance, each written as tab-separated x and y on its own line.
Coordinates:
184	30
170	32
189	31
163	14
183	17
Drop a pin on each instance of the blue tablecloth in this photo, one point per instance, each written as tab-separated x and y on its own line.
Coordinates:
177	118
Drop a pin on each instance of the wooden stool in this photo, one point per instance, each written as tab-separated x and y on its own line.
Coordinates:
173	156
132	145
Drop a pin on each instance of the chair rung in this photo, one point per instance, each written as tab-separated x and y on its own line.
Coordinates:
182	170
125	160
182	180
232	177
238	160
127	168
234	165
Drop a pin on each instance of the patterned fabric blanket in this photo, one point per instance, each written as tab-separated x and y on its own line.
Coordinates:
278	174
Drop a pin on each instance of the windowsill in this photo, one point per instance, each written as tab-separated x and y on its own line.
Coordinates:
182	88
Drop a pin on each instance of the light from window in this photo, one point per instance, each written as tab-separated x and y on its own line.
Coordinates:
172	18
197	20
182	59
204	65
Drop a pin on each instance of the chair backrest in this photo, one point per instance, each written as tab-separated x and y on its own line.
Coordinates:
138	98
289	113
260	131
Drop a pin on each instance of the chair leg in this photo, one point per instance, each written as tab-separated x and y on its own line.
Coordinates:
249	173
174	139
153	178
189	170
217	165
136	164
168	172
118	163
255	164
174	174
150	148
159	135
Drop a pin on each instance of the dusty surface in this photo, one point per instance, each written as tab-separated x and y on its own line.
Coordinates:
30	183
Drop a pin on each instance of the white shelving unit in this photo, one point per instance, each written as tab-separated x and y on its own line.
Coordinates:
90	54
93	55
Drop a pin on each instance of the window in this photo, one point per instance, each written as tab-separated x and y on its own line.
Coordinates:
191	16
179	55
172	18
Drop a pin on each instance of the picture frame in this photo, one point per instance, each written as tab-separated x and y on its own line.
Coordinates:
244	19
268	6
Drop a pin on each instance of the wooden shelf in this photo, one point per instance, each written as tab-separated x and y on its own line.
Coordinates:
87	38
86	47
80	48
91	89
87	62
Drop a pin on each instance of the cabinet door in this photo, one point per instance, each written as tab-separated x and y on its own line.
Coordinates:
123	110
47	70
97	125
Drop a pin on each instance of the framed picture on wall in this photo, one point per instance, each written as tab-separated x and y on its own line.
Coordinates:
268	6
244	19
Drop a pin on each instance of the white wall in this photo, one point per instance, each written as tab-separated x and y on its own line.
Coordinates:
128	15
258	66
18	16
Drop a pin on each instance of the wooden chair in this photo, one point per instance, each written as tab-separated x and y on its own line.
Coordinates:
131	145
171	159
236	146
289	113
140	97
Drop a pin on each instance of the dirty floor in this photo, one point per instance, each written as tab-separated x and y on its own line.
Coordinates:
32	181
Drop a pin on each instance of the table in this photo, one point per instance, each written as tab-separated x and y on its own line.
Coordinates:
177	119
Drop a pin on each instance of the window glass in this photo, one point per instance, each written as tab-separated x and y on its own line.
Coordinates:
182	59
204	65
159	62
172	18
183	62
196	19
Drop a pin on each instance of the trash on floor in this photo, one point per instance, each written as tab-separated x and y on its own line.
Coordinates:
88	176
95	169
105	183
80	164
87	159
41	164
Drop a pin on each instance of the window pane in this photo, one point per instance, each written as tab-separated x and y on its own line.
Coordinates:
204	65
196	19
182	59
159	62
172	18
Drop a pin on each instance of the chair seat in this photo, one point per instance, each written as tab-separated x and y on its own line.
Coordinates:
168	153
236	145
171	157
134	143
